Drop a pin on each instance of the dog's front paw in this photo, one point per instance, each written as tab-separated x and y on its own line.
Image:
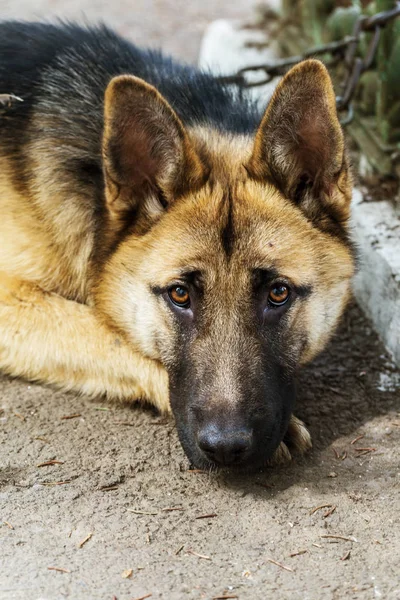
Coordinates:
297	439
281	456
297	436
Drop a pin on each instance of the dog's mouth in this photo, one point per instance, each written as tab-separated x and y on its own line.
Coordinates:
239	450
296	441
240	437
250	466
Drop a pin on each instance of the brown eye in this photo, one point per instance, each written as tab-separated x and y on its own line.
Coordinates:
179	295
278	294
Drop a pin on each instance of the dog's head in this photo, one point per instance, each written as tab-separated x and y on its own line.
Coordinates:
231	261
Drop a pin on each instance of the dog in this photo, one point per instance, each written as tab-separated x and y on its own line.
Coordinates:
163	240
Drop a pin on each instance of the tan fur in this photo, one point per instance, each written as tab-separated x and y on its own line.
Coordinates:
98	328
48	338
36	245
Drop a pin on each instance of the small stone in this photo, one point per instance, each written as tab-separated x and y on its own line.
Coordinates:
127	573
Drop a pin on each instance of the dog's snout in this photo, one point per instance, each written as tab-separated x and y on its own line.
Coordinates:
225	446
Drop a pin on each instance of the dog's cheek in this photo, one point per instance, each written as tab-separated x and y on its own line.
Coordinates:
321	316
155	331
126	303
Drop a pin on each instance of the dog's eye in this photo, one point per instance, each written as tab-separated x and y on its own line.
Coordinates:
278	294
179	295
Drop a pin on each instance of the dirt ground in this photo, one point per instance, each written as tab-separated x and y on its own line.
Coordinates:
74	529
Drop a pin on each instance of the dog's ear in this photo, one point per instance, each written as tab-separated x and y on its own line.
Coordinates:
299	145
147	154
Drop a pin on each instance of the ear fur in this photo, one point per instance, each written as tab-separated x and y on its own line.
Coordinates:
300	145
147	152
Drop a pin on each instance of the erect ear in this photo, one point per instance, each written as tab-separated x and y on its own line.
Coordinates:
299	144
147	154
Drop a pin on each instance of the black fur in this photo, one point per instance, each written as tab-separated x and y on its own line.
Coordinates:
68	67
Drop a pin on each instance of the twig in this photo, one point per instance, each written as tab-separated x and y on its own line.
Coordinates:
59	569
49	483
337	391
319	508
329	512
200	471
8	525
267	486
180	549
49	463
339	537
7	100
210	516
108	488
298	553
19	416
141	512
143	597
87	538
346	556
360	437
336	453
274	562
198	555
42	439
224	597
74	416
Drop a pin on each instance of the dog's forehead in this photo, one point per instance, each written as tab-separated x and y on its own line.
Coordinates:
236	228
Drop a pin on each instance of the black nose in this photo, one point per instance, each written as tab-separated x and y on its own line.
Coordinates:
225	446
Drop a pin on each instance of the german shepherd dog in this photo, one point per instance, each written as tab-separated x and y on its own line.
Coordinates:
162	240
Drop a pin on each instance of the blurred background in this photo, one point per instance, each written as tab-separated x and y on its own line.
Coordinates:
176	25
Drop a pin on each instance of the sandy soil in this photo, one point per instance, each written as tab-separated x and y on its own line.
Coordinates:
122	469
